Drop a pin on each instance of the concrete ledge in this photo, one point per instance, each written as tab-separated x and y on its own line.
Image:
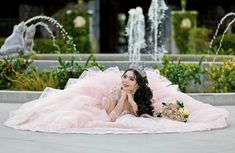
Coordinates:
7	96
125	57
122	65
215	98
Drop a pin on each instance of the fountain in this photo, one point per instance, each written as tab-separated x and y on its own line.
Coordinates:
21	39
15	43
136	31
46	27
69	39
138	40
156	14
217	30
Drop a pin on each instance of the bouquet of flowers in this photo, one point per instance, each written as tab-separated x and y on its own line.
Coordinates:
174	110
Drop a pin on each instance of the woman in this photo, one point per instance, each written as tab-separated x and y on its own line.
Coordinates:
133	97
111	102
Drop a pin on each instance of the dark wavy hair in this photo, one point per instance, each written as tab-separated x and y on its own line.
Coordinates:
143	96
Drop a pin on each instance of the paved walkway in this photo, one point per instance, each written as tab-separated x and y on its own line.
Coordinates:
16	141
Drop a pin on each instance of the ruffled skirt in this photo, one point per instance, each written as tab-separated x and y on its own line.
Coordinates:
79	108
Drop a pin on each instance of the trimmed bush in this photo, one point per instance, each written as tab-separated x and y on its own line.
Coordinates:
181	74
222	78
228	44
46	46
198	40
183	22
75	20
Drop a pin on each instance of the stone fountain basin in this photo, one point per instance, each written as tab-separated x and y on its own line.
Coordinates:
124	57
50	61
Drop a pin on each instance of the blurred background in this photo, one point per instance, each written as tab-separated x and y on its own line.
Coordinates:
98	26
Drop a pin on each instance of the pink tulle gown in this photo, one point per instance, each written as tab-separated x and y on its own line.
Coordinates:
79	108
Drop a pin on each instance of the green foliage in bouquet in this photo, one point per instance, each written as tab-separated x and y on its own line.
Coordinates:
181	73
222	77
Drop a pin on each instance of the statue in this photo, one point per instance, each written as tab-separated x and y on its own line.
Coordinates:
29	35
20	41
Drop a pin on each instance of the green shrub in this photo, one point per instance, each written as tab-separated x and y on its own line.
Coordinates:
19	74
181	74
182	22
2	41
46	46
33	81
228	44
198	40
9	68
79	31
222	78
72	69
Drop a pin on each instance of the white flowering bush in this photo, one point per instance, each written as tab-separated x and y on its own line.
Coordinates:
79	21
183	22
75	19
186	23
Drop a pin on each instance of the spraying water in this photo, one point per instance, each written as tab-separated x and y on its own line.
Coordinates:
135	31
69	39
217	30
156	14
21	39
46	27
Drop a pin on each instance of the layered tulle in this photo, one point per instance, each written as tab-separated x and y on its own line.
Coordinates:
80	108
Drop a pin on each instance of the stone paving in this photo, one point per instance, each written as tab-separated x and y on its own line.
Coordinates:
17	141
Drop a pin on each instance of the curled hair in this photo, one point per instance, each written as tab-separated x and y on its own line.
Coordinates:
143	95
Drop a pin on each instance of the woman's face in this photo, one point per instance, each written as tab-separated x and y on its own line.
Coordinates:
129	82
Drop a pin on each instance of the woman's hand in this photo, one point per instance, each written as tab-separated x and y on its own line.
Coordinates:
130	96
131	99
132	102
127	95
123	95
